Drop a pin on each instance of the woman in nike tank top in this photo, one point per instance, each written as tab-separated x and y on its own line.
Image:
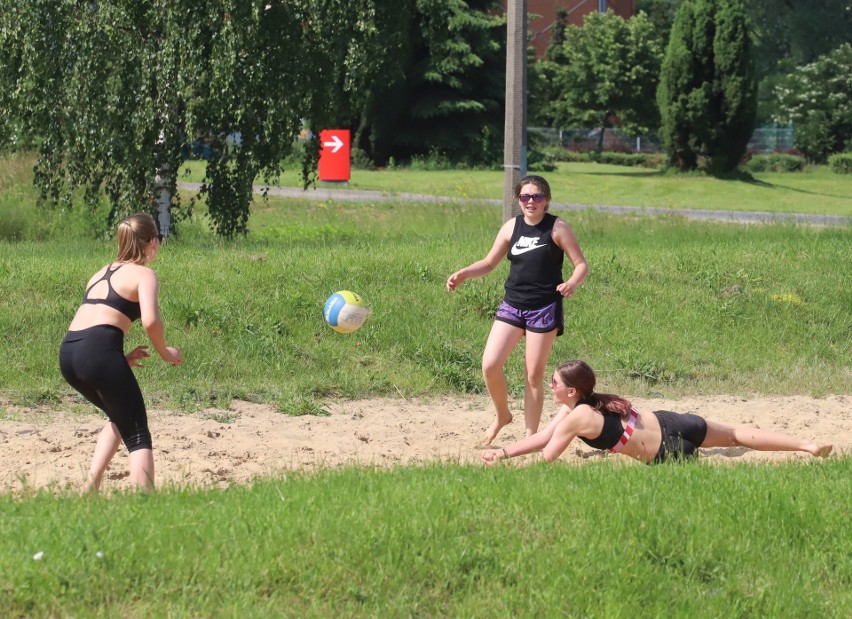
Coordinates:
535	243
607	421
92	359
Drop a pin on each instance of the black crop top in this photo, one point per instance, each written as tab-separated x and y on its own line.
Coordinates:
131	309
609	436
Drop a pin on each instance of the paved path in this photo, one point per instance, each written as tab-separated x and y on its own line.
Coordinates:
366	195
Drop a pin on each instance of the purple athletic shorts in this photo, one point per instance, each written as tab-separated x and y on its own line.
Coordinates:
542	320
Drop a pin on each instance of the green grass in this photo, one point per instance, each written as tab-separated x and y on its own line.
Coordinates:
814	191
601	540
672	307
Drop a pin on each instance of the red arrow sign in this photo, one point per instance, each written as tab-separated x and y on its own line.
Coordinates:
334	161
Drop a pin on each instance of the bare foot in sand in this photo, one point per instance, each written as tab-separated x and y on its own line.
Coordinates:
821	451
493	430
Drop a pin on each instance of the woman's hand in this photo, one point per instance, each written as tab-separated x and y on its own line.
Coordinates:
566	289
454	281
176	356
490	457
133	357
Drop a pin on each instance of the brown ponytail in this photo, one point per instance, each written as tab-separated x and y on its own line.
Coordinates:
579	375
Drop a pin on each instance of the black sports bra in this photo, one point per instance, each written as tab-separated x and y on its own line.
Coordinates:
609	436
131	309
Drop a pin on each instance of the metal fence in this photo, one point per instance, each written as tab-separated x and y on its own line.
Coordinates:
765	139
771	138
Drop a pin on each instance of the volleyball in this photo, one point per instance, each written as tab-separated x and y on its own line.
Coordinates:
345	311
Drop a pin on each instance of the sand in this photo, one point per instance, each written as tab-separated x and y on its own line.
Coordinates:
51	449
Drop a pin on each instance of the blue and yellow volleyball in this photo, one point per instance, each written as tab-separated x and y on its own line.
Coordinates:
345	311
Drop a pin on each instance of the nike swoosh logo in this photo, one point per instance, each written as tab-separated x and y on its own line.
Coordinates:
517	251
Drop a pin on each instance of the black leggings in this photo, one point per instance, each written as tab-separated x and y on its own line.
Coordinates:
93	362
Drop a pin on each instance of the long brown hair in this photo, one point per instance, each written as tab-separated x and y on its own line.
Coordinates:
134	233
578	374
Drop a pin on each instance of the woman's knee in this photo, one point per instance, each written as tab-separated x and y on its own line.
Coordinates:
139	439
535	377
492	368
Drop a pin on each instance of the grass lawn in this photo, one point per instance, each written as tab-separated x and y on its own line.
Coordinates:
671	307
814	191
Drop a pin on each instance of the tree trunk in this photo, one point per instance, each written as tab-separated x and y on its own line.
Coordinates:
164	200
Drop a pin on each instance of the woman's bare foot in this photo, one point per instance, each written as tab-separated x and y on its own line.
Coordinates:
494	429
821	451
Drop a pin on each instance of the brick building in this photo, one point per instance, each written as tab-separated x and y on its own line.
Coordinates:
542	15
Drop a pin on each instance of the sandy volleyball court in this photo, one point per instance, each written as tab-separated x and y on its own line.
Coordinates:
216	448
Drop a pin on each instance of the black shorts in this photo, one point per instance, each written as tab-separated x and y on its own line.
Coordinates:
93	362
682	433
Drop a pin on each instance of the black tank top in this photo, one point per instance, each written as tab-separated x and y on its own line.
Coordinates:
536	264
610	435
131	309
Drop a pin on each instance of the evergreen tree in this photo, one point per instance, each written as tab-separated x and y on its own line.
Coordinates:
448	100
735	86
707	93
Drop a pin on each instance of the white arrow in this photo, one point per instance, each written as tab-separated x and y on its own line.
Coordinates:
336	142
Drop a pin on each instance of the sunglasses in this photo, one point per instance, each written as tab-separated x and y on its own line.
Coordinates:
160	237
535	197
555	384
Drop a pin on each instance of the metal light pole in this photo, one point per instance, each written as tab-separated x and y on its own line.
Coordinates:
515	131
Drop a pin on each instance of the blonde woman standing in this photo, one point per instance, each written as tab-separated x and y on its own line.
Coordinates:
92	358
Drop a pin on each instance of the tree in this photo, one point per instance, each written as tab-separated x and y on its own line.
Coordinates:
661	13
799	32
786	34
708	90
793	34
448	98
116	90
817	99
605	71
734	87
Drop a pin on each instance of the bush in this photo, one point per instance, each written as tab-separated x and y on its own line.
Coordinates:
776	162
434	160
841	163
541	161
627	159
560	153
361	160
12	226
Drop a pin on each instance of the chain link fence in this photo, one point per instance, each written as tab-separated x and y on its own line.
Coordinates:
766	139
771	138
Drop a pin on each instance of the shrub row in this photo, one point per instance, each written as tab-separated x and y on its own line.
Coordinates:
841	163
545	159
776	162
